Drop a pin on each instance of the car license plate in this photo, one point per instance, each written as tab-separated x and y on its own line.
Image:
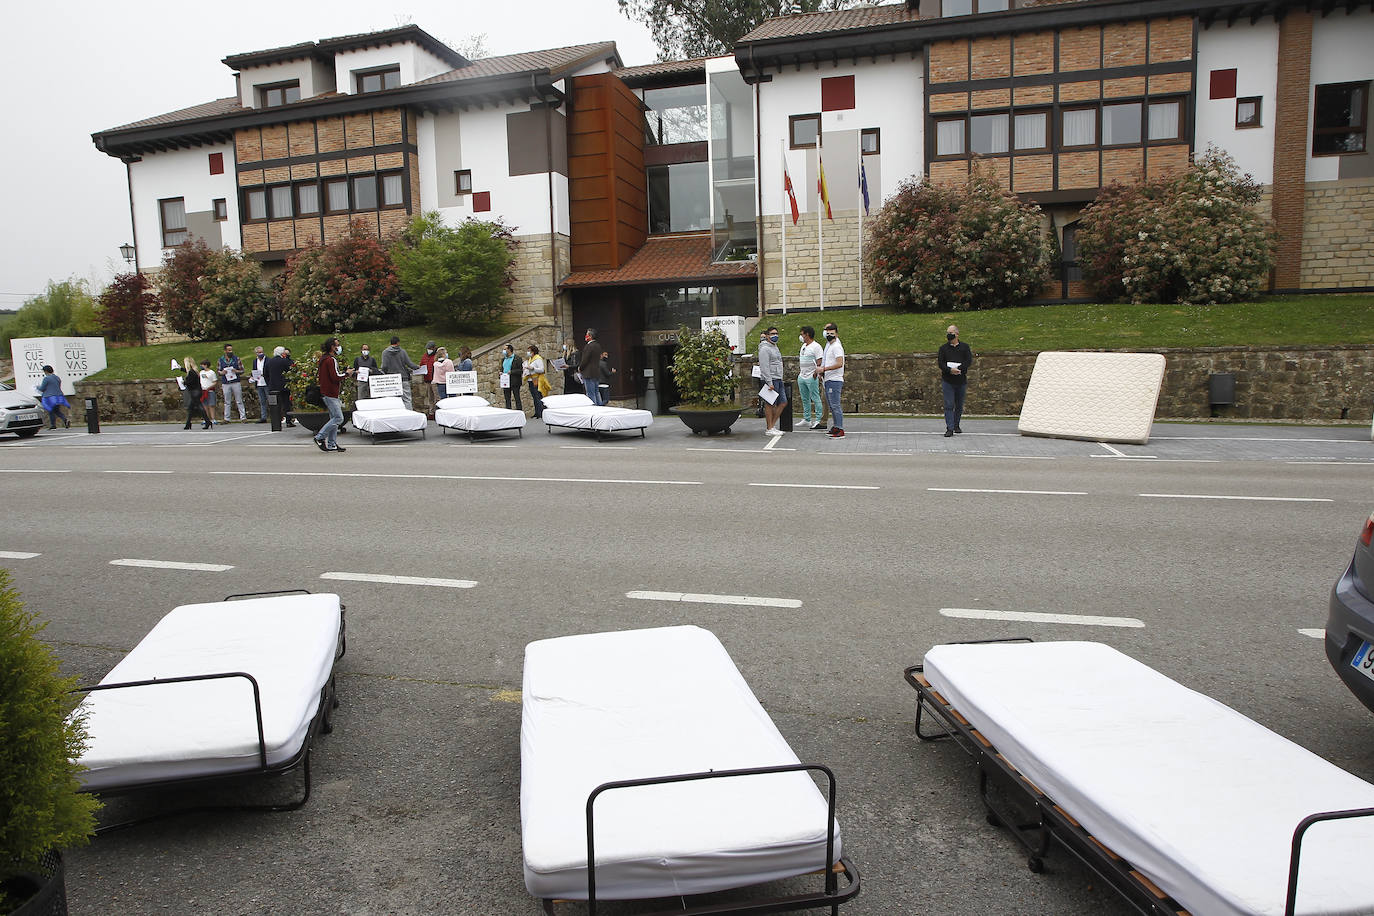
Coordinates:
1363	661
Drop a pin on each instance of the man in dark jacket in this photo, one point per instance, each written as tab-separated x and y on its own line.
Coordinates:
590	366
954	359
276	370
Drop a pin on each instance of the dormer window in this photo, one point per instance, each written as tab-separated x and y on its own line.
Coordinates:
969	7
377	80
277	94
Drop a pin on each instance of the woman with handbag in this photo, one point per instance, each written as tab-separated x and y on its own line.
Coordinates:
538	380
191	395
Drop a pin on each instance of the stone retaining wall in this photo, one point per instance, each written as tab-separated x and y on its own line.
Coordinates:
1295	383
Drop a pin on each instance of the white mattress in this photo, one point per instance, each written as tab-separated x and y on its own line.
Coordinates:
141	734
480	419
387	415
643	703
1102	397
1200	799
602	419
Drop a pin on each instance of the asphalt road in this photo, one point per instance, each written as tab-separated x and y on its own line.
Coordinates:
416	804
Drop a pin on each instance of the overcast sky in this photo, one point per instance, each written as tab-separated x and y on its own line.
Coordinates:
73	68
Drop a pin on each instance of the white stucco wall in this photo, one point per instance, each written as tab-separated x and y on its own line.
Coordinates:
522	201
1342	52
1252	51
887	95
186	174
415	62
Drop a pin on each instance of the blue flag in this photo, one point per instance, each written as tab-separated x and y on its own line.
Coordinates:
863	184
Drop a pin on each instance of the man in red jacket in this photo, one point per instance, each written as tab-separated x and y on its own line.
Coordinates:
329	376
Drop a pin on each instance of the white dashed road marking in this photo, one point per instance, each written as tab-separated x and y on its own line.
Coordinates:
1267	499
745	600
1087	620
1314	632
399	580
17	555
169	564
674	483
815	486
138	472
35	470
1017	492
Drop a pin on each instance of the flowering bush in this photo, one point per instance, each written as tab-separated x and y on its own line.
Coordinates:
1196	237
939	249
211	294
701	368
347	284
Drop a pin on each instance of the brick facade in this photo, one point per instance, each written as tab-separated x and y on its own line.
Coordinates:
532	295
1290	144
1338	224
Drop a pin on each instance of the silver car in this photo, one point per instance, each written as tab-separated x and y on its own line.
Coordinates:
19	413
1350	624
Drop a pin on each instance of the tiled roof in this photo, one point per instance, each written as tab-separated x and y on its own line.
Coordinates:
553	59
832	21
204	110
668	259
328	46
662	68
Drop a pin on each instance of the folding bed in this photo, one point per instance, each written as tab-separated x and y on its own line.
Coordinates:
576	411
1180	803
471	414
645	753
375	416
217	690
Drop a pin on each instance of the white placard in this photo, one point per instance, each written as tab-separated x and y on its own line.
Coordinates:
384	386
72	358
363	373
505	379
768	394
461	383
952	365
757	373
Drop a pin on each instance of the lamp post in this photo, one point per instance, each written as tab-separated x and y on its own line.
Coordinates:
127	251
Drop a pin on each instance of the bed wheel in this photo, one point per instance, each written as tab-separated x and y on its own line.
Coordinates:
993	820
1035	864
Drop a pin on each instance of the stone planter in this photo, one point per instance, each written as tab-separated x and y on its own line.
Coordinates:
48	889
314	420
710	422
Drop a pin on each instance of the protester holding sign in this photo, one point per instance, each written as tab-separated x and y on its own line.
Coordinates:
364	365
396	361
512	369
190	395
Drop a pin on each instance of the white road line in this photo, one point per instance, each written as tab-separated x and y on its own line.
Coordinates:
492	445
725	449
1354	462
1017	457
137	472
1117	452
35	470
773	444
1119	457
745	600
1018	492
815	486
168	564
399	580
17	555
1265	499
674	483
1252	439
1314	632
601	448
1087	620
899	432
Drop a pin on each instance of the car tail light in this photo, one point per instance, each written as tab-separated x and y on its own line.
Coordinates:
1368	533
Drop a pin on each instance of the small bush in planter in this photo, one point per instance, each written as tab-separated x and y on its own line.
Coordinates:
701	369
40	807
306	372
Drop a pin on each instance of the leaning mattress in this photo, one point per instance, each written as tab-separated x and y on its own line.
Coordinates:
480	419
1101	397
645	703
602	419
1200	799
205	728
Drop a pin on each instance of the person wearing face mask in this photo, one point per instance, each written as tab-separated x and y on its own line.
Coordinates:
427	369
328	377
260	382
442	367
512	369
807	384
770	372
464	360
396	361
572	383
832	377
954	359
535	377
364	360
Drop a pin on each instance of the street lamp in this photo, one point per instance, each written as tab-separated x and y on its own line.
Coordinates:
127	251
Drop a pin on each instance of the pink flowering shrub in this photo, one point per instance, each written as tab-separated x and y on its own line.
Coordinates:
1196	237
934	249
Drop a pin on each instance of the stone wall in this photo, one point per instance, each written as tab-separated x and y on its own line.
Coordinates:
1337	227
841	262
532	295
1297	383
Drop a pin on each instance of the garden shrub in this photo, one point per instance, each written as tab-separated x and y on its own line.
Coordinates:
701	368
234	300
951	249
456	275
178	284
125	306
1196	237
346	285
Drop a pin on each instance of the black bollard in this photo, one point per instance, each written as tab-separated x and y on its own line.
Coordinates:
274	411
92	416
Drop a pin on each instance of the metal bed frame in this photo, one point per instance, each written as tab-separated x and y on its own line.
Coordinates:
472	434
831	896
601	434
1052	823
321	723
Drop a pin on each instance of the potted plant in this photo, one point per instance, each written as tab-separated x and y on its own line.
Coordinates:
41	807
701	369
305	374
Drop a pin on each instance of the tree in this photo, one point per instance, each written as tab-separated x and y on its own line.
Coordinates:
456	275
706	28
125	306
345	285
971	247
178	284
64	308
1195	237
234	300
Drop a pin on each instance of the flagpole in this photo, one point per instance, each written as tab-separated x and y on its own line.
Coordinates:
860	176
820	217
783	214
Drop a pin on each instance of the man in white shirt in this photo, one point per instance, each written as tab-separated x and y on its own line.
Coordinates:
808	384
832	372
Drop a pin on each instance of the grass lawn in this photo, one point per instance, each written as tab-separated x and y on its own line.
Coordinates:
1325	320
154	361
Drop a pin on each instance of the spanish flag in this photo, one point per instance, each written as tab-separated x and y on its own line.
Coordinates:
821	188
